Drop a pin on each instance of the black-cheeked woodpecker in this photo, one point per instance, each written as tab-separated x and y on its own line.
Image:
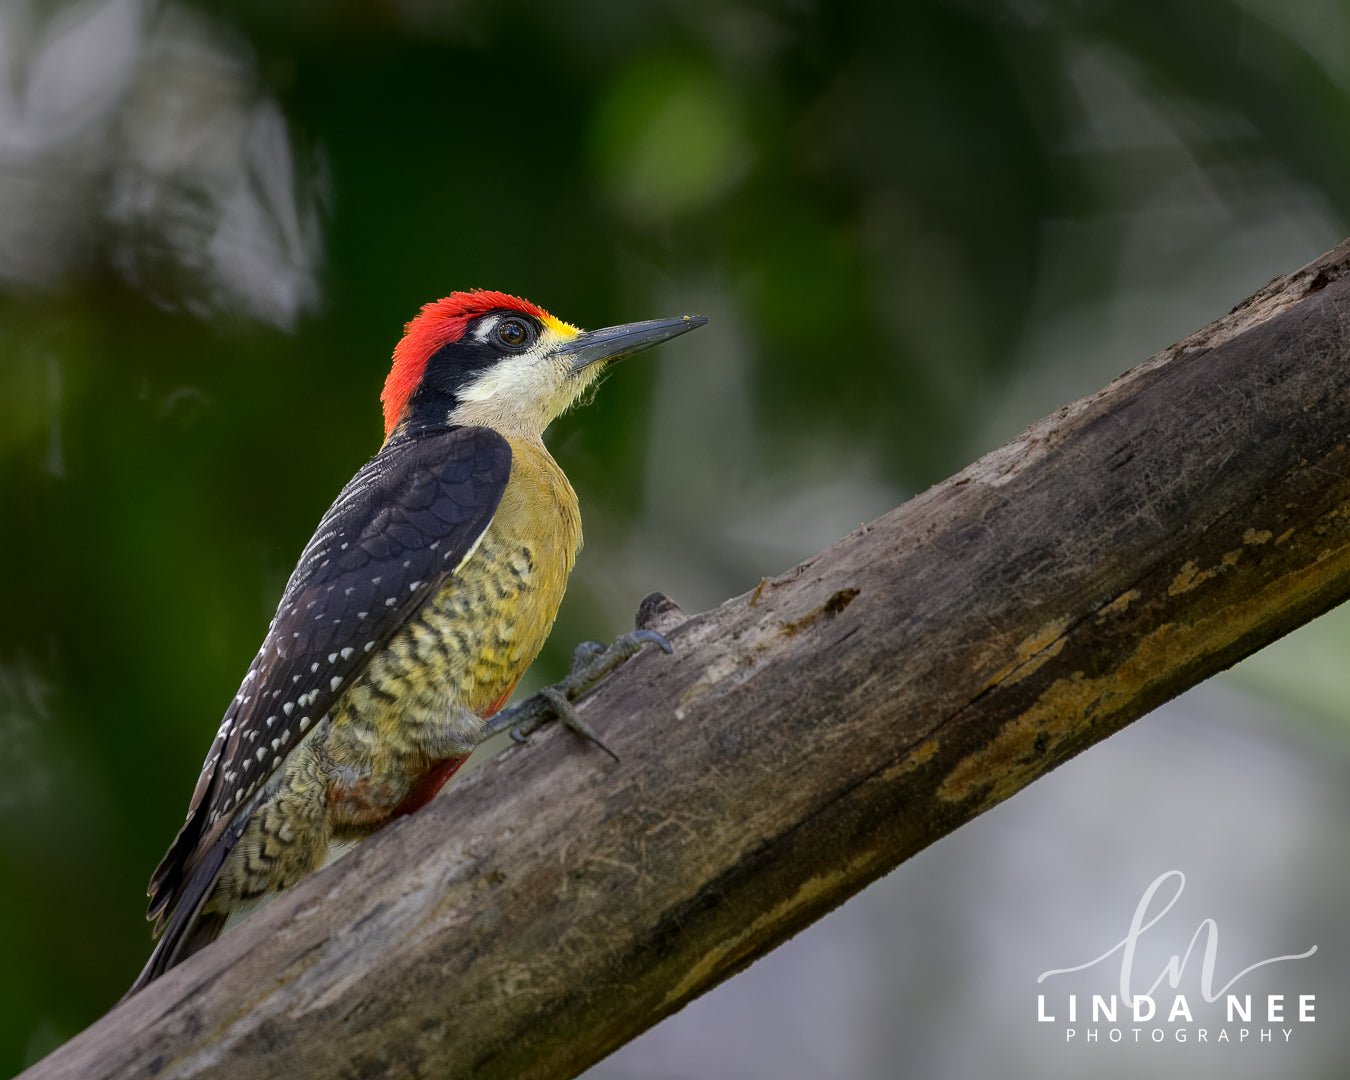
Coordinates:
427	589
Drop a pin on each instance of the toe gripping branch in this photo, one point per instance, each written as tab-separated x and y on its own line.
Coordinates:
592	662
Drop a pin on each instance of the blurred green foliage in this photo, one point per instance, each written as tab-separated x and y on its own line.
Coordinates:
210	239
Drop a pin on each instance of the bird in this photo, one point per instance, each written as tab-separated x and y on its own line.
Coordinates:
428	588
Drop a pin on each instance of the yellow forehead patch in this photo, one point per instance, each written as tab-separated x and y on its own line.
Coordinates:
564	330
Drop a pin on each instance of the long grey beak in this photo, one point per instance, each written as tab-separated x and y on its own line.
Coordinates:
616	342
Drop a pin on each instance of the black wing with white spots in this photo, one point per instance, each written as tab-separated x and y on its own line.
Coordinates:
403	524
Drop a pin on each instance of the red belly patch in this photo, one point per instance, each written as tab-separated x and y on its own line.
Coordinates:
425	789
366	803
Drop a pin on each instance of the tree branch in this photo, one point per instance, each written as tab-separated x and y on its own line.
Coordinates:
807	736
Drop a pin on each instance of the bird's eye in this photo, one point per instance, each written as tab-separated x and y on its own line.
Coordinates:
513	333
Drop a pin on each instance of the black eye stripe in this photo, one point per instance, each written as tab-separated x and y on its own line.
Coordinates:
458	363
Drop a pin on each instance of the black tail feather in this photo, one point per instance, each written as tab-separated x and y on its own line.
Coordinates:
189	928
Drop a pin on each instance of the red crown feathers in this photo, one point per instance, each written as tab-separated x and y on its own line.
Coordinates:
438	324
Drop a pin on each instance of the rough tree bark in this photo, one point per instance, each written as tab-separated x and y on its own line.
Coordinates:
807	736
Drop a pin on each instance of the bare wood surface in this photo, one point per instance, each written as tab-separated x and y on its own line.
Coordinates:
807	736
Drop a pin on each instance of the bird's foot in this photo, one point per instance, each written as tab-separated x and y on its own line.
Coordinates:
592	662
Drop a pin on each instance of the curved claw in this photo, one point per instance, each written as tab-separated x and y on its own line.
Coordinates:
569	717
592	661
659	640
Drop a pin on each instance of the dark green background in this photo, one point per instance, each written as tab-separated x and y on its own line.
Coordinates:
916	227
